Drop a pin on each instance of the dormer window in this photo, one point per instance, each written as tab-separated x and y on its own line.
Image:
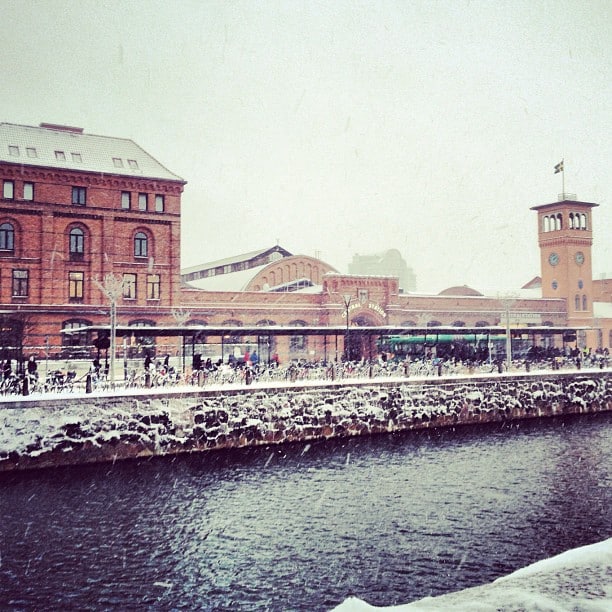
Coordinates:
60	156
117	162
31	151
133	164
76	157
13	151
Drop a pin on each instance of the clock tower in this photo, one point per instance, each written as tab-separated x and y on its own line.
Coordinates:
565	236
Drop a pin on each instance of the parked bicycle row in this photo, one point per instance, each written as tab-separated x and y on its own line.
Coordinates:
159	374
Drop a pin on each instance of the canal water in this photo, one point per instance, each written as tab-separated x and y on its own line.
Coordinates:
389	519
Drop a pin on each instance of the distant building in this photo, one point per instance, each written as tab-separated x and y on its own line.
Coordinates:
389	263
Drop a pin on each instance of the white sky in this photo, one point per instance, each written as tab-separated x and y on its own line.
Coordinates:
340	127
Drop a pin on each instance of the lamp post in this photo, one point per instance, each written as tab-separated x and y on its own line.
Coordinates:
346	300
181	316
507	301
112	287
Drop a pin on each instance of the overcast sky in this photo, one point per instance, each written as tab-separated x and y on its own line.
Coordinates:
340	127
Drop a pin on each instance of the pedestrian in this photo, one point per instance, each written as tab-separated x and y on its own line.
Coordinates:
32	367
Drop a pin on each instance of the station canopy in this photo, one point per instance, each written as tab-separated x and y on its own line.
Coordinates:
224	331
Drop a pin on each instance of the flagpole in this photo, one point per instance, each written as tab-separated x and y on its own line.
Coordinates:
563	176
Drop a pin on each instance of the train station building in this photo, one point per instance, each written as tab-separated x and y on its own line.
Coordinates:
90	229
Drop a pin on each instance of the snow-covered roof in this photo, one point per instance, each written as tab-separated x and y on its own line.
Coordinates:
56	146
233	281
235	259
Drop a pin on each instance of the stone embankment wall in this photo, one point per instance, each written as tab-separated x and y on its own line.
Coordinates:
91	428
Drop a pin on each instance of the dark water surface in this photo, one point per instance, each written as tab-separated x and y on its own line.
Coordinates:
389	519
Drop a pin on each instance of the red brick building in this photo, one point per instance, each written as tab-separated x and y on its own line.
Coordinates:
76	208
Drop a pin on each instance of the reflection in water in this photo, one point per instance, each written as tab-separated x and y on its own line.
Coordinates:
389	519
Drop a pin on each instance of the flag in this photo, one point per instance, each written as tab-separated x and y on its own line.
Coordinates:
559	167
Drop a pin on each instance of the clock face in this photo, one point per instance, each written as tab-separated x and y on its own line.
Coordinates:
553	259
579	258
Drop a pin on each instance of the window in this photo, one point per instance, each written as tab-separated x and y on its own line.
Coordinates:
126	200
31	151
153	285
142	201
13	151
8	192
129	286
28	191
77	158
577	302
7	237
159	203
79	195
60	156
20	283
140	245
362	295
133	164
76	339
584	303
76	281
117	162
77	243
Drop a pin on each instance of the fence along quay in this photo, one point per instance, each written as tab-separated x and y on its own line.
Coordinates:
107	426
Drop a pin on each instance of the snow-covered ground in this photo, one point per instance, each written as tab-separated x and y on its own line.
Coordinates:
579	580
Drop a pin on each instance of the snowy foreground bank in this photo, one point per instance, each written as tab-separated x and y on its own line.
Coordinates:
578	580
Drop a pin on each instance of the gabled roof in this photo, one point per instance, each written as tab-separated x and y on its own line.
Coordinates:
252	258
69	148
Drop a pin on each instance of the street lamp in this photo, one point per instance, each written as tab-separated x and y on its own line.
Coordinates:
112	287
346	299
507	301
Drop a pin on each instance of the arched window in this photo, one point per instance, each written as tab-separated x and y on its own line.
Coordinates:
144	344
584	303
482	324
141	245
571	221
297	343
459	324
577	302
76	338
559	222
583	221
7	237
546	224
434	323
76	246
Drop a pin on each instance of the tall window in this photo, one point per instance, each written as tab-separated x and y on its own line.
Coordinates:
126	200
142	201
28	191
159	203
79	195
129	286
20	283
140	245
8	191
7	237
76	281
77	243
153	286
577	302
584	303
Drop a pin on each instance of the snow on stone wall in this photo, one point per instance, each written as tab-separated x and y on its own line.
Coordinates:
85	428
